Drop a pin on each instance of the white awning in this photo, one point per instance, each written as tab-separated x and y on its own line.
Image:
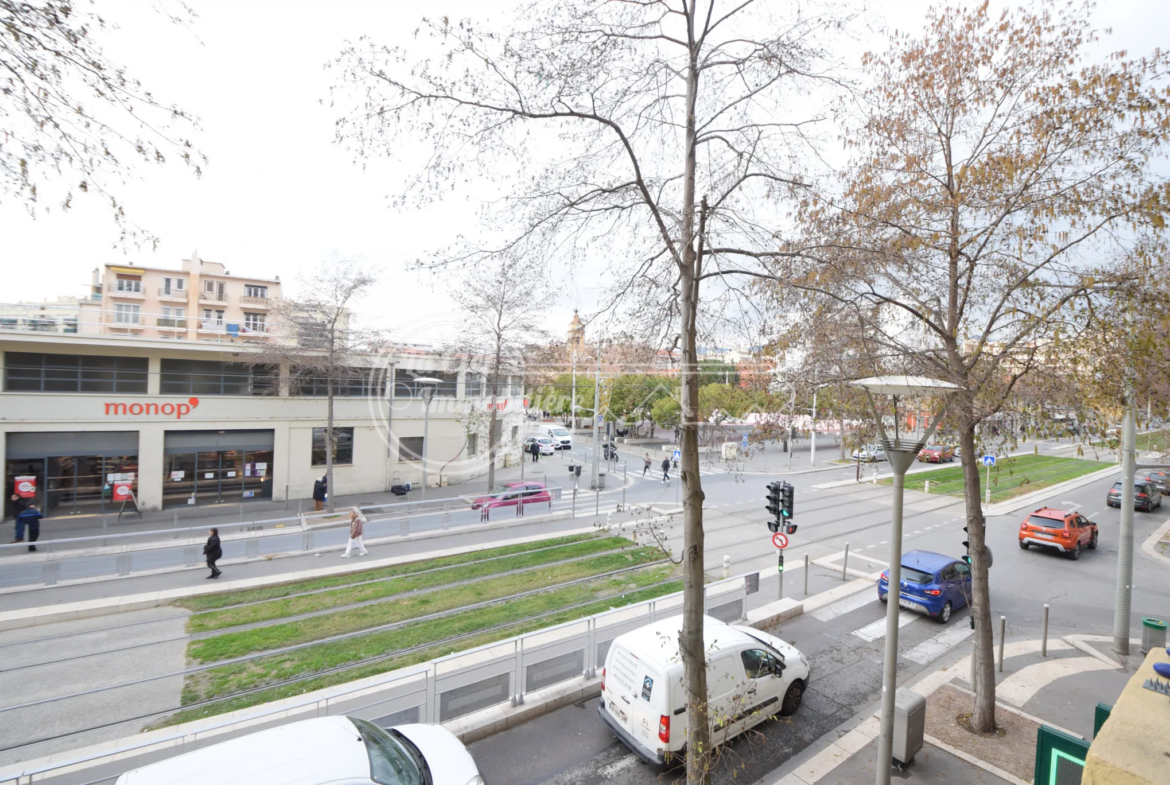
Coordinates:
905	385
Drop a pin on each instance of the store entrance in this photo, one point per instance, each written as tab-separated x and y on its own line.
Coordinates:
68	481
217	467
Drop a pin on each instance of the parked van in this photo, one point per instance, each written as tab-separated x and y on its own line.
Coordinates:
751	676
562	439
319	751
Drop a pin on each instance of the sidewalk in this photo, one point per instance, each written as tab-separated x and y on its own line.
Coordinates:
1053	690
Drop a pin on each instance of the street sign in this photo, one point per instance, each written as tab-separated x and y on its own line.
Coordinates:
751	583
989	460
780	540
677	455
744	443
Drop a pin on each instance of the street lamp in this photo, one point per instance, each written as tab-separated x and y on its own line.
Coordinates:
900	452
426	391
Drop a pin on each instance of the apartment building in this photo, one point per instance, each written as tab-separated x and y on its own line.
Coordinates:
202	301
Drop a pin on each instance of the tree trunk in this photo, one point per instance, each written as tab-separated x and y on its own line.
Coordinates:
492	435
983	716
329	449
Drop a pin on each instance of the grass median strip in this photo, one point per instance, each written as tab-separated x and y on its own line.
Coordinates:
1010	477
228	599
608	592
239	644
424	577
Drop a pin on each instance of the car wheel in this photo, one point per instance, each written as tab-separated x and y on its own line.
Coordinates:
1075	553
1024	545
945	614
884	597
792	699
1093	542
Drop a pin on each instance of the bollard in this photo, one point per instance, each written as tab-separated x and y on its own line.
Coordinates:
1044	640
806	575
726	567
927	489
845	563
1002	627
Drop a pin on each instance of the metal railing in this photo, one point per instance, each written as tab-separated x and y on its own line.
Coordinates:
440	690
168	321
164	549
255	302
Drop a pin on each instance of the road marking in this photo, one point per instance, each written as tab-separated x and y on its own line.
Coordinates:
847	605
916	531
940	644
867	547
884	542
871	632
1072	506
607	771
1022	685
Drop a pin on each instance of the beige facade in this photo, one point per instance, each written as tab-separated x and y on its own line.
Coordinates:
202	301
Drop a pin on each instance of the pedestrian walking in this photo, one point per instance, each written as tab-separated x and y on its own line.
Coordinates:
356	522
30	518
19	504
666	470
213	552
534	448
320	488
646	464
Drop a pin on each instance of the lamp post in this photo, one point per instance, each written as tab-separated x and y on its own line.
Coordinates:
900	453
426	391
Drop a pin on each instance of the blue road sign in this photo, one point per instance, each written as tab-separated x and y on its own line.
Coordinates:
744	442
677	455
989	460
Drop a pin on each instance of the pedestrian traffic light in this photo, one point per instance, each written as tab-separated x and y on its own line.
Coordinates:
787	492
792	528
780	565
773	526
967	545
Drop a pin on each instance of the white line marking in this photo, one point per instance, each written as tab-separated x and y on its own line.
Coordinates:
916	531
940	644
871	632
1072	506
841	607
1022	685
617	766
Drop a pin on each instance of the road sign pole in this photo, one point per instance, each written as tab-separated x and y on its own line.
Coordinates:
987	491
780	583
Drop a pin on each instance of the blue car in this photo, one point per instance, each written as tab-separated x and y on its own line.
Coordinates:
932	583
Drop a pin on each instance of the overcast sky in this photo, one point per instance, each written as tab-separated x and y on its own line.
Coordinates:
279	196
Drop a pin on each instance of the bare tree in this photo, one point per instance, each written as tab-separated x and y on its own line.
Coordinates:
660	134
317	346
66	110
502	303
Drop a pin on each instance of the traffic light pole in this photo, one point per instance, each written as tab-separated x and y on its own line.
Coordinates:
1124	590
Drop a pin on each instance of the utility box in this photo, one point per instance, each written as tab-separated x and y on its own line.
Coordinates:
909	726
730	451
1153	635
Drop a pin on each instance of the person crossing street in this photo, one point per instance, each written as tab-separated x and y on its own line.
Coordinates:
646	466
666	470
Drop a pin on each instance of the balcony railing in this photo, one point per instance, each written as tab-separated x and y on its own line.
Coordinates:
254	302
166	321
179	293
213	297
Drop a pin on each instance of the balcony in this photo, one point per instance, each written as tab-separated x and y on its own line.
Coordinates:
255	302
130	290
213	298
173	294
169	323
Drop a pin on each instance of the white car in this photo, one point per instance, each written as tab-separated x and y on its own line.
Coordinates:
562	439
751	676
870	453
547	445
342	750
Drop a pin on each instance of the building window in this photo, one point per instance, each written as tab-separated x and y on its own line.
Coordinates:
515	433
406	383
128	285
207	377
256	291
127	314
254	322
472	444
173	285
517	385
27	372
410	448
342	446
349	382
472	385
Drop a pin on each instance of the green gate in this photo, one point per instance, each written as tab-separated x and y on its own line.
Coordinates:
1060	758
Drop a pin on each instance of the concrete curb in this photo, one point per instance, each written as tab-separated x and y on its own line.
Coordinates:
1150	546
32	617
1028	499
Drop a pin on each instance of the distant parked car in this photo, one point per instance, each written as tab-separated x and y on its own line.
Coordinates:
932	583
936	453
1159	478
512	493
547	445
1067	532
1146	497
870	453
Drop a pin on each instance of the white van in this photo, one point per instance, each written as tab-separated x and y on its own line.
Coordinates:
750	677
562	439
319	751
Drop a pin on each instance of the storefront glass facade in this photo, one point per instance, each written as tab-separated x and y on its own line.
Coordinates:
74	473
215	467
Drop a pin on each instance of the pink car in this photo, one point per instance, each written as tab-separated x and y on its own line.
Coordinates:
512	493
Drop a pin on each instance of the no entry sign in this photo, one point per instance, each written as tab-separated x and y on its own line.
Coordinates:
780	540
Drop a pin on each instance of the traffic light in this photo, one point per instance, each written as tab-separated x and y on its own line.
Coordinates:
967	545
786	500
773	505
780	565
791	528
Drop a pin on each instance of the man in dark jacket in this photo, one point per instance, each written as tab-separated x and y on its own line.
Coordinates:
319	491
666	470
29	517
19	504
214	552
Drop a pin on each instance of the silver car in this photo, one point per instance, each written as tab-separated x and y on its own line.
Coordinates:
870	453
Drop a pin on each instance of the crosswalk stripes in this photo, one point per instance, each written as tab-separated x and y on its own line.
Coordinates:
877	629
847	605
933	648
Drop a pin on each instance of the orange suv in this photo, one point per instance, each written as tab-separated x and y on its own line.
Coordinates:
1067	532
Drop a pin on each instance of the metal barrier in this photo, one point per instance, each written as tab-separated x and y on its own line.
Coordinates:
445	688
161	549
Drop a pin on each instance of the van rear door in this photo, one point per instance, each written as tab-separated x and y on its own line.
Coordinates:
634	694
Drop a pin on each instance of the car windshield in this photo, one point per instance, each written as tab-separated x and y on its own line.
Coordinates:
935	447
559	432
393	759
915	575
